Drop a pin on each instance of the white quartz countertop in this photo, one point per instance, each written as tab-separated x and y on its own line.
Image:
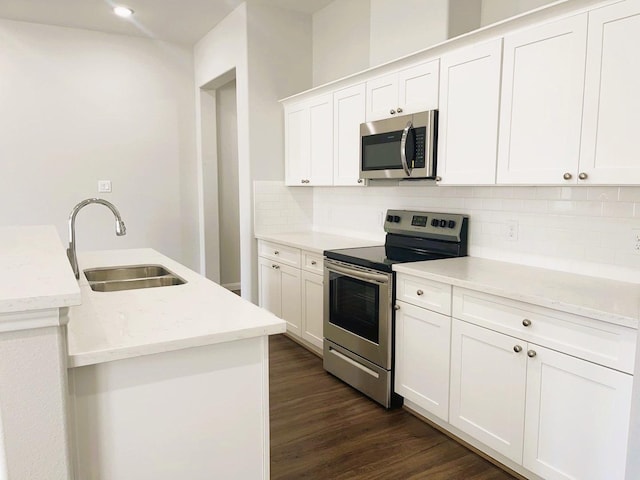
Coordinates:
34	271
115	325
317	241
599	298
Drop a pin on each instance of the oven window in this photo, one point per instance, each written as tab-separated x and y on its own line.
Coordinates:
355	306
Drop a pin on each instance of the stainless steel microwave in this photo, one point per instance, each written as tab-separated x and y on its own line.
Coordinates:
399	147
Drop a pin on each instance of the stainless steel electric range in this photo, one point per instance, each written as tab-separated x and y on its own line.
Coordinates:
359	296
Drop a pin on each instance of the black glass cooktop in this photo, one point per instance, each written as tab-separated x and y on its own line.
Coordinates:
381	257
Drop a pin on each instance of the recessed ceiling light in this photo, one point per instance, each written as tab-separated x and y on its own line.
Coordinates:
123	12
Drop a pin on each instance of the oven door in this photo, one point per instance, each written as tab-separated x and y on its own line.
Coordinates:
357	310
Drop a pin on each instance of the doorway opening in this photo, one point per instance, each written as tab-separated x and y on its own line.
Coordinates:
220	181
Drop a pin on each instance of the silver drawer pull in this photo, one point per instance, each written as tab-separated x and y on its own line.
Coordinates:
517	349
275	266
420	292
313	262
396	307
531	353
526	322
276	252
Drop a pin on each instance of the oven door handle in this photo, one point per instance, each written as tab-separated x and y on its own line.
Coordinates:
366	276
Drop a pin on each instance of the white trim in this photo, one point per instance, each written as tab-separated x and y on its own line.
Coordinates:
12	322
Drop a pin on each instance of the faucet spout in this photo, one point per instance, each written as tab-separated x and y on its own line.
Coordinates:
121	229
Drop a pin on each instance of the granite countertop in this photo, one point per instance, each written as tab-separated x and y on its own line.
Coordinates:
599	298
115	325
36	274
317	242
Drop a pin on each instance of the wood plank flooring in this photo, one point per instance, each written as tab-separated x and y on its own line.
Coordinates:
324	429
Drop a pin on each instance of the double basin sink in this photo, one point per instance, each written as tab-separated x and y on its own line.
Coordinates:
131	277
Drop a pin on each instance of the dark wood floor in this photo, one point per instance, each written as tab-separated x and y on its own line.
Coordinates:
324	429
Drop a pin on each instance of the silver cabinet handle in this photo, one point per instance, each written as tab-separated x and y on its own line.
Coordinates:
276	252
392	111
531	353
313	262
420	292
399	110
438	179
359	180
396	307
583	176
517	349
304	180
403	148
567	176
275	267
526	322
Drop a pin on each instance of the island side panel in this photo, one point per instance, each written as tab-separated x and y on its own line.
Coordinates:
196	413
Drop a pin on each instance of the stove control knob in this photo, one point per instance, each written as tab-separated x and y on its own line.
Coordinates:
443	223
396	218
452	223
435	222
389	218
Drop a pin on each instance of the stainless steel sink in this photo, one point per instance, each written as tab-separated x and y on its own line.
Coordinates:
130	277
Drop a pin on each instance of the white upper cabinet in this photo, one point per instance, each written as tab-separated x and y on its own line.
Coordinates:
610	150
348	108
309	142
468	121
411	90
541	107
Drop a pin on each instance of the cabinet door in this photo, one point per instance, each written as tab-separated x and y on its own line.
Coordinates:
468	123
312	308
541	108
290	299
577	418
348	108
382	97
321	141
423	338
610	142
297	140
488	387
418	88
269	286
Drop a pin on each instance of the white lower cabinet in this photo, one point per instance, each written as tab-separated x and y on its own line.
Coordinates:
279	292
488	381
558	416
312	308
290	285
422	358
577	418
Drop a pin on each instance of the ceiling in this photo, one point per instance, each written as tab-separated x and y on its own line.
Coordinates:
177	21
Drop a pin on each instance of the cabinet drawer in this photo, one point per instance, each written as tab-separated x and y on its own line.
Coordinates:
424	293
312	262
593	340
281	253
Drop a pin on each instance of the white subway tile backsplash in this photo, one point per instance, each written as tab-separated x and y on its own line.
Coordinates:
581	229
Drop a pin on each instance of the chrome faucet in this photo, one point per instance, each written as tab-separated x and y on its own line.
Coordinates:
71	251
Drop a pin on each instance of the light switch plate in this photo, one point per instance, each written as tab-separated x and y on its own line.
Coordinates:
104	186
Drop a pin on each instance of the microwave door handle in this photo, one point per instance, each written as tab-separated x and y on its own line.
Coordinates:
403	148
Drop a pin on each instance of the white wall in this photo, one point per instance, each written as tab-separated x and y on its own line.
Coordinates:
495	10
229	214
341	33
267	68
396	32
79	106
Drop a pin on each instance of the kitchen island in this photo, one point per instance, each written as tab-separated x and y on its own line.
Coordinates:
168	382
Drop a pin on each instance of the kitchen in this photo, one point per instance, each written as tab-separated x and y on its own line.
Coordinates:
151	153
